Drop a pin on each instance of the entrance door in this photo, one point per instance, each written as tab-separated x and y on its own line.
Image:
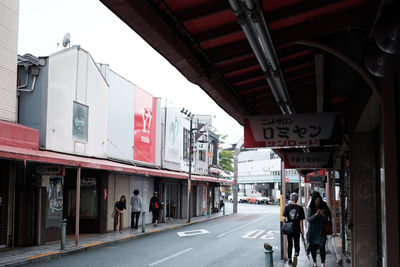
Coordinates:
54	208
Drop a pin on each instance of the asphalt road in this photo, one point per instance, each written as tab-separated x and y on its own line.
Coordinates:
235	240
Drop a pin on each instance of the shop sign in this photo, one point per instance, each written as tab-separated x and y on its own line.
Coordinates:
315	179
50	170
88	182
145	126
314	160
297	130
202	146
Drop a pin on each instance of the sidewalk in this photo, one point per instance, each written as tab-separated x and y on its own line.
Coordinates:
26	255
303	261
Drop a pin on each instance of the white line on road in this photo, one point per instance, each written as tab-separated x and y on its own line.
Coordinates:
170	257
240	227
253	234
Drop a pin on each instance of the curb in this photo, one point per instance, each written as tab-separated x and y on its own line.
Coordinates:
82	248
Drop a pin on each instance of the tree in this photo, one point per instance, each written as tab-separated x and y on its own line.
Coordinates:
226	160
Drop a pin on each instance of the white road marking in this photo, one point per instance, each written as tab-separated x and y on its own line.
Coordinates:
193	232
240	227
253	234
170	257
269	235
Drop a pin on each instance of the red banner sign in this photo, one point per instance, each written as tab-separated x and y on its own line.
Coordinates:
145	126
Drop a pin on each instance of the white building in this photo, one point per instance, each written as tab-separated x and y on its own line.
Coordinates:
9	12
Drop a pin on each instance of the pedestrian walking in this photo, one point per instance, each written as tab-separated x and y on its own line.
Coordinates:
318	213
155	206
294	214
119	209
136	208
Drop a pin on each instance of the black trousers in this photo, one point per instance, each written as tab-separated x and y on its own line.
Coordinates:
295	236
135	219
156	215
314	248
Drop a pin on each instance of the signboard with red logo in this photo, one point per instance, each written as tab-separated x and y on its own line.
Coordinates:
145	126
298	130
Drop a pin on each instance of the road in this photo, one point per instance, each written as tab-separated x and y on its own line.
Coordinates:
235	240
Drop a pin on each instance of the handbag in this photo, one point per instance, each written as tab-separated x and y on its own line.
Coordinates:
113	214
288	227
328	227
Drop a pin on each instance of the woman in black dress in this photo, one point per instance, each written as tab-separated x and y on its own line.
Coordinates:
155	206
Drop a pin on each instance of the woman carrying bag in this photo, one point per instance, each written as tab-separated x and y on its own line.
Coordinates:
318	216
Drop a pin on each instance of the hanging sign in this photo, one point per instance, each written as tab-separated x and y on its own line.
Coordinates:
315	179
313	160
297	130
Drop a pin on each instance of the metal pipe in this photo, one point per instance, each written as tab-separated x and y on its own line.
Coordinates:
250	4
235	5
63	232
266	43
26	79
30	89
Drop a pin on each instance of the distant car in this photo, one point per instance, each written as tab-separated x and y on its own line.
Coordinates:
242	197
258	198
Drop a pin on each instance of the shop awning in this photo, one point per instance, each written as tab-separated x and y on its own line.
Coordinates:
41	156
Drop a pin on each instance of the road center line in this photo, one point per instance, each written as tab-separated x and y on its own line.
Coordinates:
240	227
170	257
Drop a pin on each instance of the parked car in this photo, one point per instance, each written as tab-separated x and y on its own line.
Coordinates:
242	197
258	198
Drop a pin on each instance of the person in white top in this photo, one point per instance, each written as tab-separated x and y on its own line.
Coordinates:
136	208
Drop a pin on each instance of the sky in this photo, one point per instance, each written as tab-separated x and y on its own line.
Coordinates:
43	24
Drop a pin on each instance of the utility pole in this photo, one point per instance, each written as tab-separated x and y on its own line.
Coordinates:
190	168
235	173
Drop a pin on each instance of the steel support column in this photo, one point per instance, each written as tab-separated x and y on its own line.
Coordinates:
78	205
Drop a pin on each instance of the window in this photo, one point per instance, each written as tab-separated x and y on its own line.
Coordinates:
202	155
80	122
89	199
186	144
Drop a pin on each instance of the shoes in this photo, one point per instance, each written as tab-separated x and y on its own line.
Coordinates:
290	261
295	260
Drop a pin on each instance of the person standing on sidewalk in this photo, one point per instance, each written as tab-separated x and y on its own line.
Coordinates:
318	213
136	208
155	206
294	213
120	208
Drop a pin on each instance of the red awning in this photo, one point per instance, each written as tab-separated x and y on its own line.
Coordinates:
17	153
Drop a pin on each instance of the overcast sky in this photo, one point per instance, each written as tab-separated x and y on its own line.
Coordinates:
43	23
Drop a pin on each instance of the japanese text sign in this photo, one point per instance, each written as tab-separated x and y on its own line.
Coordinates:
298	130
314	160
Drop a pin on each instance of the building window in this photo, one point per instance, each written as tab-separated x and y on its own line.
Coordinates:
202	155
80	122
186	140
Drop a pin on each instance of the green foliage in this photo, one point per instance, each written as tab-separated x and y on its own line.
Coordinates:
226	160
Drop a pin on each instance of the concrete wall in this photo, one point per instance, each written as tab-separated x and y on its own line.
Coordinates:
73	76
118	185
145	185
9	11
120	117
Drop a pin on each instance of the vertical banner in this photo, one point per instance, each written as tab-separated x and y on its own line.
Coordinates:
145	126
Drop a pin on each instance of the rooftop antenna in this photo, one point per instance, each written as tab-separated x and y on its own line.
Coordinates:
67	40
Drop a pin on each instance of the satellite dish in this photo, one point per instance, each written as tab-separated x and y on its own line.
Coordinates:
67	40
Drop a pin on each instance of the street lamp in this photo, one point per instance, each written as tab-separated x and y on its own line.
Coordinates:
190	116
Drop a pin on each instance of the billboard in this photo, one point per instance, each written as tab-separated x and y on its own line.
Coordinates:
173	136
144	127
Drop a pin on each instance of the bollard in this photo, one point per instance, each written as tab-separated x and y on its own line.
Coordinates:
269	259
209	211
63	232
143	221
223	210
